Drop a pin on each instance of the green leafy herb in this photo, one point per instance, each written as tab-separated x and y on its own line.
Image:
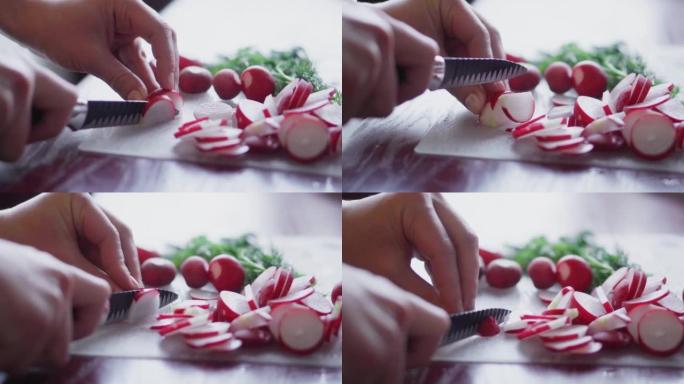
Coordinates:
285	66
602	261
615	59
254	259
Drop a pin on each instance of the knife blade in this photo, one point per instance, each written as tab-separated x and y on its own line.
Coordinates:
105	113
465	324
120	303
450	72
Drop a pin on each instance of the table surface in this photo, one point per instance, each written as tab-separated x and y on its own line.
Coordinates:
265	214
57	165
379	154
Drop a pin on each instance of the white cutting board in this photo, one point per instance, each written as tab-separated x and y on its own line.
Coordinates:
458	133
657	255
320	256
226	26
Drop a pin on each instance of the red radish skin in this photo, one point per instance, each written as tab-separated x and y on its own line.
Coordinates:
543	327
231	305
248	112
562	299
588	109
660	332
254	319
672	303
227	84
488	327
179	326
336	292
527	81
184	62
158	110
157	272
207	330
488	256
542	271
603	299
194	79
226	273
527	128
620	294
589	308
573	271
517	107
589	79
503	273
301	330
257	83
144	254
558	76
145	306
195	271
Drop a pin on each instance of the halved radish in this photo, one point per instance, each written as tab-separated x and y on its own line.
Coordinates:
301	330
566	333
331	114
619	294
653	135
568	345
674	109
159	109
558	100
546	296
660	332
207	330
306	137
145	306
301	93
589	78
588	109
558	134
561	144
587	349
610	321
214	110
231	305
589	308
672	303
560	112
518	107
632	280
492	116
613	339
648	104
651	298
603	299
249	111
263	278
199	294
609	284
543	327
253	319
209	342
231	345
291	298
574	271
635	316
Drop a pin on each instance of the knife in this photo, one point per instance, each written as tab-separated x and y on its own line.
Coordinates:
120	303
98	114
450	72
465	324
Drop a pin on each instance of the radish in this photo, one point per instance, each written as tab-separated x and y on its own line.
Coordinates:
175	316
179	326
207	330
589	79
581	149
562	100
651	298
300	330
674	109
194	79
648	104
558	75
283	282
336	292
183	306
530	127
571	313
573	271
249	111
214	110
653	135
257	83
635	315
660	90
589	308
265	293
653	284
518	107
514	326
546	296
195	271
253	337
603	125
301	283
263	278
251	299
159	109
307	108
568	345
543	327
331	114
157	272
209	342
300	94
231	305
488	256
588	109
144	254
621	92
640	89
613	339
251	320
558	134
159	324
590	348
277	314
284	97
603	299
609	322
609	284
503	273
229	149
564	334
660	332
562	299
291	298
672	303
306	137
542	271
560	112
636	284
318	303
144	306
488	327
226	273
527	81
227	84
538	317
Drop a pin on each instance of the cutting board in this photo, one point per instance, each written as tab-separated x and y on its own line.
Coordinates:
224	28
320	256
657	254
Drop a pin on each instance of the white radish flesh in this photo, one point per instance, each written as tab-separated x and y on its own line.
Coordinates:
159	110
610	321
331	114
603	299
301	282
214	110
543	327
635	315
144	307
207	330
518	107
209	342
581	149
301	330
318	303
254	319
199	294
659	90
558	100
673	303
653	135
674	109
306	137
546	296
612	280
561	144
231	305
660	332
560	112
589	308
648	104
291	298
249	111
558	134
650	298
564	346
562	299
564	334
178	326
588	349
588	109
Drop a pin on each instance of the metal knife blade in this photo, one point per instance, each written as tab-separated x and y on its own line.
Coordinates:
120	303
98	114
465	324
450	72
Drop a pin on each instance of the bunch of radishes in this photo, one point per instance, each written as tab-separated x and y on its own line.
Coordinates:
276	306
627	307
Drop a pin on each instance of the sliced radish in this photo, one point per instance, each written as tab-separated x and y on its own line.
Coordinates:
214	110
632	280
637	89
306	137
564	334
546	296
307	108
209	342
518	107
253	319
543	327
635	315
178	326
660	90
302	282
493	116
291	298
610	321
582	149
603	299
182	306
674	109
231	305
528	128
324	94
207	330
660	332
653	136
145	306
560	111
672	303
589	308
651	298
318	303
613	339
621	92
587	349
259	129
653	284
253	337
558	134
301	93
199	294
159	110
561	144
263	278
282	99
603	125
588	109
612	280
569	345
331	114
562	299
301	330
249	111
251	298
231	345
515	326
163	323
558	100
528	316
648	104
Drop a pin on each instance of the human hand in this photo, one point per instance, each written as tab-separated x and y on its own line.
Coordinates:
25	87
375	45
386	329
45	304
72	228
460	31
102	37
382	234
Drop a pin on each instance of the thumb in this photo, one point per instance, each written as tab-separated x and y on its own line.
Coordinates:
119	77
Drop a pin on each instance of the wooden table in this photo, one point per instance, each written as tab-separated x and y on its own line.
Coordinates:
57	165
379	153
216	215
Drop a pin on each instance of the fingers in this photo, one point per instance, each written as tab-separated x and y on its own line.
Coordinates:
17	80
54	99
383	97
466	250
412	282
57	350
425	332
133	56
497	52
415	54
119	77
128	247
90	298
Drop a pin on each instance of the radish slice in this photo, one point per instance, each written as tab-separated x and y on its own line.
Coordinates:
543	327
494	117
301	330
660	90
214	110
518	107
159	110
588	349
178	326
653	284
606	124
291	298
563	346
229	346
588	109
254	319
582	149
637	89
258	129
318	303
528	128
207	330
558	134
621	92
672	303
144	307
230	150
589	308
558	100
613	339
163	323
562	299
610	321
614	279
674	109
249	111
603	299
528	316
515	326
331	114
209	342
324	94
561	144
660	332
301	282
307	108
569	312
635	315
263	278
199	294
231	305
648	104
282	99
546	296
653	136
182	306
306	137
564	334
651	298
253	337
559	112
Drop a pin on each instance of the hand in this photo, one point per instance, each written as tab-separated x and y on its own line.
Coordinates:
25	86
386	329
45	304
72	228
382	232
375	45
102	37
459	31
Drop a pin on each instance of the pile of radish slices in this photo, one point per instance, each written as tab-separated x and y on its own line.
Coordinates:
306	124
634	114
627	308
276	306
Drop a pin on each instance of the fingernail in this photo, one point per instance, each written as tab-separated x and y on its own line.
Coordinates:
135	95
474	102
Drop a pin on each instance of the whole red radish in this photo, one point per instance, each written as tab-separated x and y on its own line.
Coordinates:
559	77
227	84
572	270
527	81
336	292
503	273
226	273
589	79
157	272
257	83
515	58
195	271
488	327
542	271
488	256
184	62
144	254
194	79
